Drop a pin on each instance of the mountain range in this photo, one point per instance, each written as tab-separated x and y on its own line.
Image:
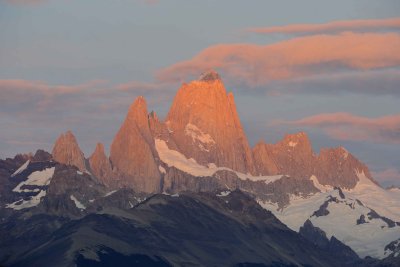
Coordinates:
190	191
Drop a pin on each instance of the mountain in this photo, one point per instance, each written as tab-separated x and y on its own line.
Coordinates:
166	180
78	223
292	156
348	215
133	151
66	150
295	157
338	167
100	165
205	126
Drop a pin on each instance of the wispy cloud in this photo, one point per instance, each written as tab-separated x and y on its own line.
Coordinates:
365	25
38	93
388	175
257	65
372	82
346	126
24	2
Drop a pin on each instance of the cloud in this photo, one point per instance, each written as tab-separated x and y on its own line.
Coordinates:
38	93
388	175
346	126
365	25
139	86
24	2
257	65
372	82
36	112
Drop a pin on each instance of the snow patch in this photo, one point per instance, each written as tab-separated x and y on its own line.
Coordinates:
162	169
79	172
139	200
110	193
39	178
345	152
320	187
175	159
22	168
292	144
223	194
23	204
197	134
78	204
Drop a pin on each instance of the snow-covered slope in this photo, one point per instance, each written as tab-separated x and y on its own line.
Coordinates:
385	202
364	218
22	168
32	189
176	159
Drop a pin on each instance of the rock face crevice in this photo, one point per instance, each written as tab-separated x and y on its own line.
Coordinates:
100	165
133	153
205	126
66	150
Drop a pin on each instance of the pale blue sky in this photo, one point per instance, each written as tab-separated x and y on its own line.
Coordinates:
60	42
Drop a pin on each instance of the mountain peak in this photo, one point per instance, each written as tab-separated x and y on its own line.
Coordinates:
139	106
205	125
66	150
132	149
99	149
295	139
209	76
100	165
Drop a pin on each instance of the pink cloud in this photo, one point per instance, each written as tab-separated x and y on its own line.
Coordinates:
333	27
138	86
39	92
306	56
388	175
346	126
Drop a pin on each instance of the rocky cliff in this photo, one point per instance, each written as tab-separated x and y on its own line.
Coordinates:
205	126
66	150
295	157
132	151
100	165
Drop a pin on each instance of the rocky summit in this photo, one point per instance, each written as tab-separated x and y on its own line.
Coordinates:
205	125
190	191
133	154
66	150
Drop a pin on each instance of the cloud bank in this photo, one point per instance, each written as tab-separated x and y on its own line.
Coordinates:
346	126
386	24
257	65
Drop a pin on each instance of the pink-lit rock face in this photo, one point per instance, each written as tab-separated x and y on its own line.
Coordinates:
336	166
132	151
205	126
100	165
66	150
294	156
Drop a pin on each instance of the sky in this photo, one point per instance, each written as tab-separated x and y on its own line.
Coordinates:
329	68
